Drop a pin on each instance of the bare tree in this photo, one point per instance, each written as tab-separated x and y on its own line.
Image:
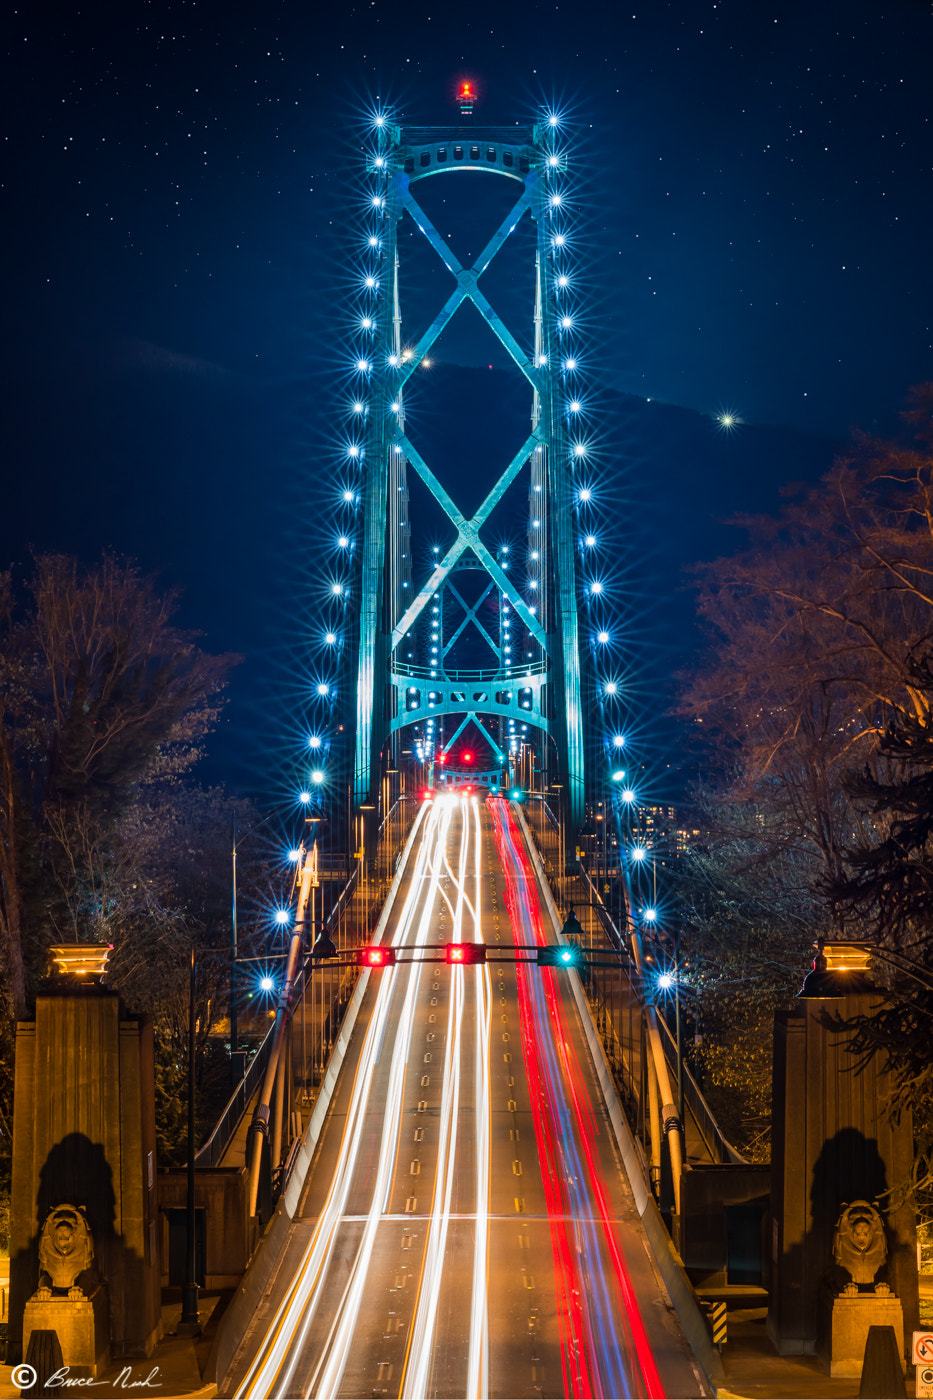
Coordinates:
100	695
812	628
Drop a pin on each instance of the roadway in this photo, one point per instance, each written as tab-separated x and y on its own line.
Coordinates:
466	1228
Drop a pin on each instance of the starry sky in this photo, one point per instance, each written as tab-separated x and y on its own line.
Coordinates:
180	181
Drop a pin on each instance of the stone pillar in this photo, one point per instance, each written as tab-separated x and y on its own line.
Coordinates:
832	1143
84	1133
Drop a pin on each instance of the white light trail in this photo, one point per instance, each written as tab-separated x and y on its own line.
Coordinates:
478	1371
273	1370
297	1309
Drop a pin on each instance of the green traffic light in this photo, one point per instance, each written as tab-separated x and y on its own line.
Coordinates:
560	956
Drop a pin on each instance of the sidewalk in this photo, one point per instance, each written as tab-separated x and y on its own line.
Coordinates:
754	1371
172	1372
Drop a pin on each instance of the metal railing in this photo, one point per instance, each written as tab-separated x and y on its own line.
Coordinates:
623	1050
515	672
212	1151
717	1144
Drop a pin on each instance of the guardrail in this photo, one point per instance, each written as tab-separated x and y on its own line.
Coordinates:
717	1144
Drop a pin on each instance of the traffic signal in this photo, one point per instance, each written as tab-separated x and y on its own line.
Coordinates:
376	955
560	955
459	954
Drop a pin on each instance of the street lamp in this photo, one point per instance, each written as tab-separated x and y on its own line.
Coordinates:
190	1322
666	981
842	969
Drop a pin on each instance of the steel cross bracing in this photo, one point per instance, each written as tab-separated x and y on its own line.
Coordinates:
545	693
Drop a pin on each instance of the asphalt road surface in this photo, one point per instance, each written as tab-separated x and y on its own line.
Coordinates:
466	1228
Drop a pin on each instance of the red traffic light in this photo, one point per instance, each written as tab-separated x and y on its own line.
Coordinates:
459	954
375	956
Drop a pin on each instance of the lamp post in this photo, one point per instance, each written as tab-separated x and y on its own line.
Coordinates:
190	1320
561	854
365	807
236	1059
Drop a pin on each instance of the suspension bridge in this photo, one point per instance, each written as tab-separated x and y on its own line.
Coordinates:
464	1140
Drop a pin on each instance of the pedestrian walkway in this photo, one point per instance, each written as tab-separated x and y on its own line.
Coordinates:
174	1369
754	1371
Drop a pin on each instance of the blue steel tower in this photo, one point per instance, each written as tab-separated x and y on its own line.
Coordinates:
537	680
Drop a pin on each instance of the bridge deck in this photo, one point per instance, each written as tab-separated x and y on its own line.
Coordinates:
466	1227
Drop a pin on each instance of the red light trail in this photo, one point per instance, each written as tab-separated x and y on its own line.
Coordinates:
604	1346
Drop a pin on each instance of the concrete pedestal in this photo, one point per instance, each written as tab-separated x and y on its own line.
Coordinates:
84	1133
844	1325
833	1142
82	1326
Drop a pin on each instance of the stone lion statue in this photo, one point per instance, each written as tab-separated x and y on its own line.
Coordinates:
860	1247
66	1251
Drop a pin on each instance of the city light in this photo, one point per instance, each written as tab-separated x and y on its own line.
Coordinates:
282	916
638	853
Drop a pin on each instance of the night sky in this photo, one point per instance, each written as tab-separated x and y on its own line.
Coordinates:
753	200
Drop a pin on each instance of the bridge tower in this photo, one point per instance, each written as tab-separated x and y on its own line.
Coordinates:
536	674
